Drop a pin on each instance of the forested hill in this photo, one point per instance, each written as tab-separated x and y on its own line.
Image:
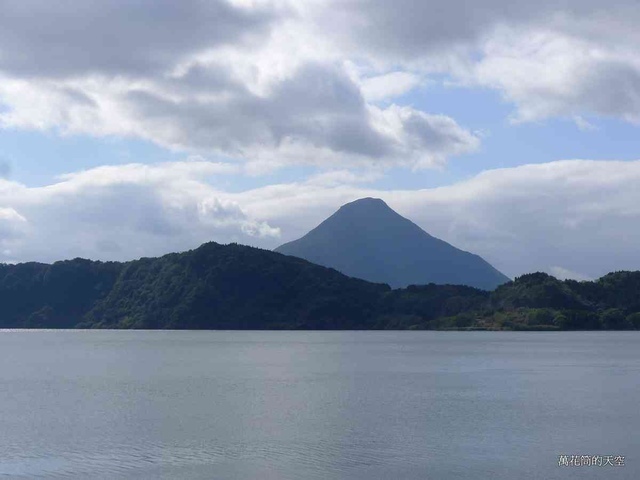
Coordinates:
238	287
212	287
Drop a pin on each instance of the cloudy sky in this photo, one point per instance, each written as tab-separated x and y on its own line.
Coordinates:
509	128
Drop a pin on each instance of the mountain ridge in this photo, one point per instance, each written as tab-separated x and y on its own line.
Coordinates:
239	287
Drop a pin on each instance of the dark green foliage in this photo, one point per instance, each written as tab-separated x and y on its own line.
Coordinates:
537	290
234	287
52	296
615	319
614	290
428	302
239	287
634	320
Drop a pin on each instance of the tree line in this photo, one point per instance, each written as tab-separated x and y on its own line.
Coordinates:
238	287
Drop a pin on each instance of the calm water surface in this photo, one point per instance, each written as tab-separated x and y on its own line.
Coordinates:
317	405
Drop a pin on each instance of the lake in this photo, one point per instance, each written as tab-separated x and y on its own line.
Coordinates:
317	405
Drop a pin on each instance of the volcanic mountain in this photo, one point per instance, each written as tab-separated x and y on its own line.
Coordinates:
367	239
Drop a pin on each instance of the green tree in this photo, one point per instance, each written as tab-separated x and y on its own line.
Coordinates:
615	319
634	320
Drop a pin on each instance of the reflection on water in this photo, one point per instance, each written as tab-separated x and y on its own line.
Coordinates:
316	405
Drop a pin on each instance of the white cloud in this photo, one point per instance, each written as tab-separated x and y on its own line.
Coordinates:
564	274
279	82
315	116
255	81
13	227
421	139
122	212
548	58
61	40
547	72
584	124
388	85
341	177
11	223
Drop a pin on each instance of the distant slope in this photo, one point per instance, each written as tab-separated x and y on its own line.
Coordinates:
367	239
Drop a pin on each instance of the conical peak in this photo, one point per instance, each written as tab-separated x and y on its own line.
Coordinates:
367	203
367	211
367	239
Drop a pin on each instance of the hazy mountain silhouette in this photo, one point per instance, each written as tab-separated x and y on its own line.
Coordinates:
367	239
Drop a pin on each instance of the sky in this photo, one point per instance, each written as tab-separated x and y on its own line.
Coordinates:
508	128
